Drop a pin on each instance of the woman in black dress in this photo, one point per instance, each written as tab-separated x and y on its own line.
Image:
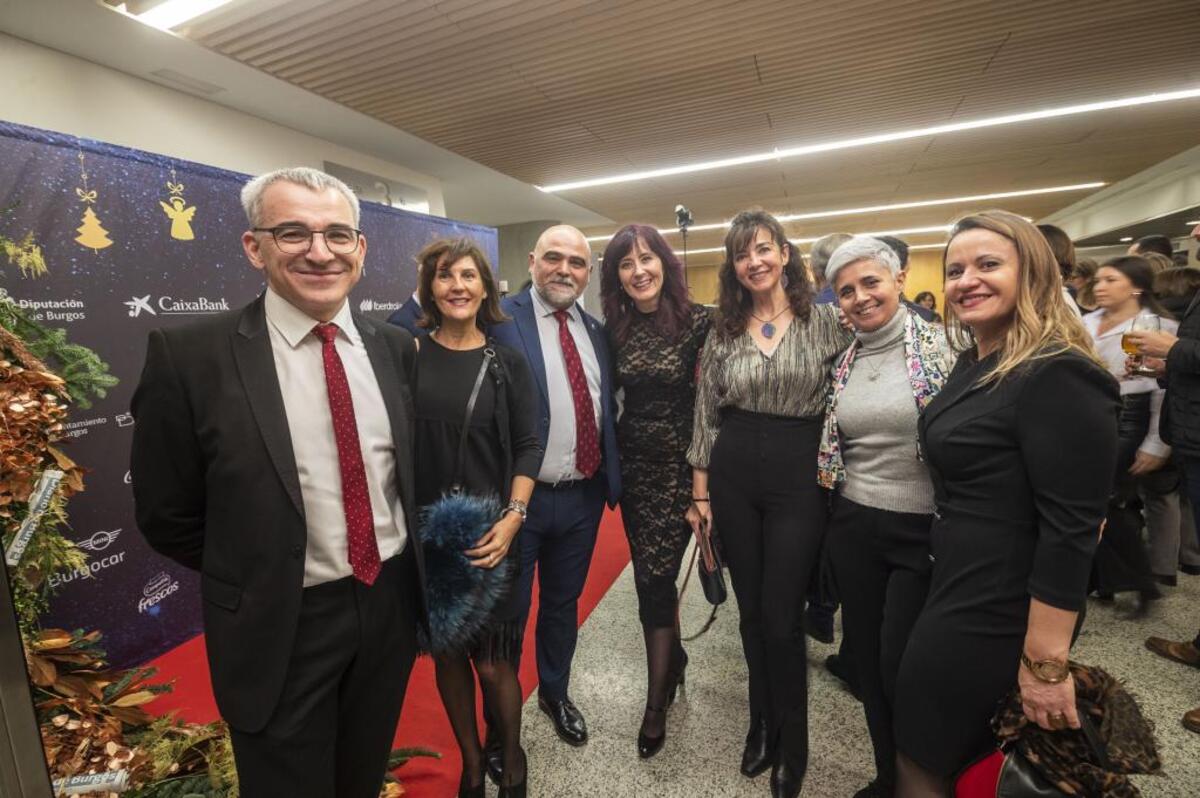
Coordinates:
656	336
458	298
1021	444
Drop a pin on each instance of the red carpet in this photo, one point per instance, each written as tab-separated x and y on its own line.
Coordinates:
423	722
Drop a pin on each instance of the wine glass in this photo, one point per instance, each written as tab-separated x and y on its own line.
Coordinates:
1144	320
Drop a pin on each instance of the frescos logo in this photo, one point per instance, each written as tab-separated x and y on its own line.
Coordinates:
170	306
97	543
369	305
157	589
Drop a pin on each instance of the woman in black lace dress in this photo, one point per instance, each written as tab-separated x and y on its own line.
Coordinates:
656	338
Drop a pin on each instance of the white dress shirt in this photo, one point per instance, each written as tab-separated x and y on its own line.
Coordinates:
301	372
1108	345
558	463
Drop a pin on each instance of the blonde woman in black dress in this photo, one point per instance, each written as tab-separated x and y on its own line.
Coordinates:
656	336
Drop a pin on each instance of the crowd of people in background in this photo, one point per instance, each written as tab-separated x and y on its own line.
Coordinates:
957	480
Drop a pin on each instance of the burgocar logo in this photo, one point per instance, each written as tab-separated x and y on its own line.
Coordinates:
99	541
368	305
170	306
157	589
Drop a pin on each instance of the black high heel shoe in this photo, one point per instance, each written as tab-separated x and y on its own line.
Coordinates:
477	791
516	790
648	746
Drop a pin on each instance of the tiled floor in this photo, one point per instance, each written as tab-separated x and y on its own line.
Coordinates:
707	725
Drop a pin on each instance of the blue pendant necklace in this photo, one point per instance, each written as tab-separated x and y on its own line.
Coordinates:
768	327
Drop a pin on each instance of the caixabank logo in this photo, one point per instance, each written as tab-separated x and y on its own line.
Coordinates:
174	306
157	589
375	306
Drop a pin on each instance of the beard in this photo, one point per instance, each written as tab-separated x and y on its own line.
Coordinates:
558	295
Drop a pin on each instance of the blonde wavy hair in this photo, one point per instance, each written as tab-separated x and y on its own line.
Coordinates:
1043	324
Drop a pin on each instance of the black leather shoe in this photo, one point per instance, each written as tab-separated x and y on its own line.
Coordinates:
785	782
875	790
757	756
568	721
1190	570
818	623
493	756
841	670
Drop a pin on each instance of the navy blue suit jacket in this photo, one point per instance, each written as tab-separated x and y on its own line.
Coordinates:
521	334
407	317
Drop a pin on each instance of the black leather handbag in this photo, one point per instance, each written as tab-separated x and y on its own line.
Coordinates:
711	577
1020	779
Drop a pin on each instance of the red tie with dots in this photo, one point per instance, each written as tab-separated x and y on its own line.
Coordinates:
356	502
587	441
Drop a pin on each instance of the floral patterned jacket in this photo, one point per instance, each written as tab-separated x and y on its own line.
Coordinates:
929	363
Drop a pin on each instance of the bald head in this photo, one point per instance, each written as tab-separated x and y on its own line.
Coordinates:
560	265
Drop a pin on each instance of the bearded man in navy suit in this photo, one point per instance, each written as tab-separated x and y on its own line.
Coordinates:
569	357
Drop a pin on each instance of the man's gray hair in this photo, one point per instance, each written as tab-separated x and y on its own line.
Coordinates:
862	248
823	248
300	175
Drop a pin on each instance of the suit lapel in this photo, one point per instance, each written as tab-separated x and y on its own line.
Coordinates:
385	374
600	347
256	368
1191	306
954	392
527	327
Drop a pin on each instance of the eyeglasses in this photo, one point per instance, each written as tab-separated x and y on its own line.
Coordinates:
296	240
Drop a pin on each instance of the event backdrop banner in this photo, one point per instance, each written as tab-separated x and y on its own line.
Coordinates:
132	242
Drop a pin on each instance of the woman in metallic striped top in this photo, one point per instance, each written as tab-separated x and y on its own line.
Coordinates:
760	401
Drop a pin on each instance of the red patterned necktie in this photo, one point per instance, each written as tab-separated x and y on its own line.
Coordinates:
587	441
356	502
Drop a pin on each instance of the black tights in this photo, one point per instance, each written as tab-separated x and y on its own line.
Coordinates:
501	693
664	659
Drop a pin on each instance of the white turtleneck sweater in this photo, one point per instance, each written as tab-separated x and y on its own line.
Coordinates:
877	417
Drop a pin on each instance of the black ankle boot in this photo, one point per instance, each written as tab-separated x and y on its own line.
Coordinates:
758	754
785	782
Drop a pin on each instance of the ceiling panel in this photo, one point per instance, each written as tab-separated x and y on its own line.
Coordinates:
550	91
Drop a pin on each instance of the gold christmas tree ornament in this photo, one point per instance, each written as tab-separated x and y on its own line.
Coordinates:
178	212
91	233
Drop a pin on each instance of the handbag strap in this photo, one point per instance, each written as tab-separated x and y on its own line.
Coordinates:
460	465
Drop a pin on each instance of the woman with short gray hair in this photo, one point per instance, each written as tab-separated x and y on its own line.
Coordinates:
878	542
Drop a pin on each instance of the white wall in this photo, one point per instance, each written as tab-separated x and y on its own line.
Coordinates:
45	88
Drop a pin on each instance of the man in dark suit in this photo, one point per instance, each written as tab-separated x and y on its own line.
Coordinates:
408	315
569	358
273	453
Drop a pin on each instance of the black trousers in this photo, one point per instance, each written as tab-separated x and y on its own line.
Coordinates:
770	515
332	732
1122	561
557	541
881	566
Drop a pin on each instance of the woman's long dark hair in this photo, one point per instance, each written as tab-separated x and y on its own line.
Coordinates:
674	310
733	301
1139	272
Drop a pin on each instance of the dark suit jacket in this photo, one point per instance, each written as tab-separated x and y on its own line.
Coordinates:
216	488
407	317
521	334
1179	424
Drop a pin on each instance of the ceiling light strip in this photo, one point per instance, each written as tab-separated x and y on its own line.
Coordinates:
173	13
793	217
880	138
